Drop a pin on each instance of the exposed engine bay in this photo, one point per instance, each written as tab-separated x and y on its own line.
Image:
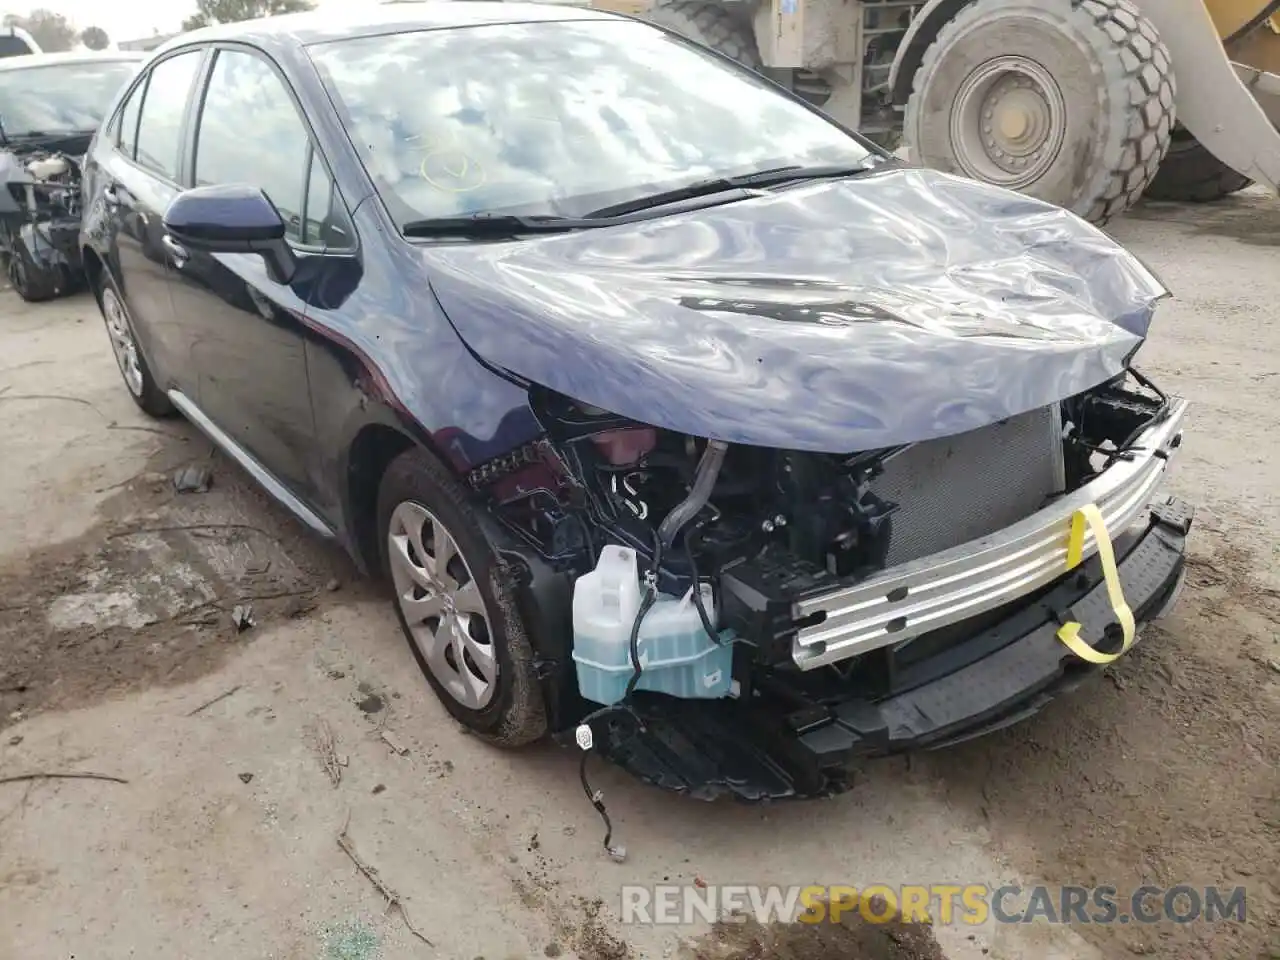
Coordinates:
40	222
830	586
769	527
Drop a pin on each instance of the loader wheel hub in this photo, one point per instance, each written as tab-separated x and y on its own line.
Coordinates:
1008	121
1015	123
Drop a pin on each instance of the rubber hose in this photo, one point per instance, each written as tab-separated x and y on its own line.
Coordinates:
699	494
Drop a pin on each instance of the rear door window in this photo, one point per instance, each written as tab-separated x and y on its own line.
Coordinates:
163	109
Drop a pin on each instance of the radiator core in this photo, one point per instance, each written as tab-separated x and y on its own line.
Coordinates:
956	489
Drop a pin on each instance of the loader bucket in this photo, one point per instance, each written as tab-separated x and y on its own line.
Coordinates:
1226	58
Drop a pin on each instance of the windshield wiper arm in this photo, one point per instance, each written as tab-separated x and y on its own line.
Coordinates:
492	224
799	171
747	182
690	191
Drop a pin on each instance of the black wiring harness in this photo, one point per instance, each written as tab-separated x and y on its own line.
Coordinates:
586	740
708	469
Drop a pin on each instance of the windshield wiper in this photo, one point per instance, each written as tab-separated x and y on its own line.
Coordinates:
493	224
748	181
690	191
798	171
506	224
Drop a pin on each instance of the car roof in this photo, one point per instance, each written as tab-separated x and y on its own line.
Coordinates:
26	61
396	16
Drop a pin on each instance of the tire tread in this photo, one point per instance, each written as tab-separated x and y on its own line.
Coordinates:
1144	86
1191	174
711	25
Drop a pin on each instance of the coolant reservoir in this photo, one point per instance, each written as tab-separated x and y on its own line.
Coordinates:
676	654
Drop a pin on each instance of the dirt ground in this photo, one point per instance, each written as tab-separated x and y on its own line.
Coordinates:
247	753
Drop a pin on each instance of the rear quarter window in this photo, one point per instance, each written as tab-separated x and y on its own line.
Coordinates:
127	130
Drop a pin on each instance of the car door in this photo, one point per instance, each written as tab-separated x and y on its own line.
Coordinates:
140	177
246	329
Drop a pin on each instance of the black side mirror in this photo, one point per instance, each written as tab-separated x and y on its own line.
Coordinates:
232	218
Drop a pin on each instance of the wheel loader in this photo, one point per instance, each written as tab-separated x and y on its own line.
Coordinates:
1089	104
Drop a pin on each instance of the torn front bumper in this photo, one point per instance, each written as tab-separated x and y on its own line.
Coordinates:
769	746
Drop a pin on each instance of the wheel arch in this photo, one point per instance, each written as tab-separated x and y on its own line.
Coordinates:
921	32
370	452
543	593
377	439
93	266
96	261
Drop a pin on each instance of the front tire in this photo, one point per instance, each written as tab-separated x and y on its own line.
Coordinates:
137	376
454	602
1069	101
1191	174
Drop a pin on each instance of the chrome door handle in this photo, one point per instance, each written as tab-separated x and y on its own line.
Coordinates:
177	252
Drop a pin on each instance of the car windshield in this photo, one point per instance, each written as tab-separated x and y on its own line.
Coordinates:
60	98
559	118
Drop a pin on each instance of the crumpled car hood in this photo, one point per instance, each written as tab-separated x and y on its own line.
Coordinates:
848	315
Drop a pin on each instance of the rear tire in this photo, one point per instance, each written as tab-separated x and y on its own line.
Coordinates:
712	26
1069	101
1191	174
461	622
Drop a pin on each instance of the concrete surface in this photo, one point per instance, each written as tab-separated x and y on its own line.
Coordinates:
115	628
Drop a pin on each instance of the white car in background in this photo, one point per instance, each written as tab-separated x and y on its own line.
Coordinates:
16	42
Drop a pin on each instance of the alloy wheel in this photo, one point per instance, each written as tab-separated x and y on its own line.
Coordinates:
122	342
442	606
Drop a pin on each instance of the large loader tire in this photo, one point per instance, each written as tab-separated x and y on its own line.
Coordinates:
1070	101
712	26
1190	173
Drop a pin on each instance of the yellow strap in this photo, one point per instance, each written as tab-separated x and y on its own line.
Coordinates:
1069	633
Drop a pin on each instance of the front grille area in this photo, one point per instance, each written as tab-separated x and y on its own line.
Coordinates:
998	567
957	489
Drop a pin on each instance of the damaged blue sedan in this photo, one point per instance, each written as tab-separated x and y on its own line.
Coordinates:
680	420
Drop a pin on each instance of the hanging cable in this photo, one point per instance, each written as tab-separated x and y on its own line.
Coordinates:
704	482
